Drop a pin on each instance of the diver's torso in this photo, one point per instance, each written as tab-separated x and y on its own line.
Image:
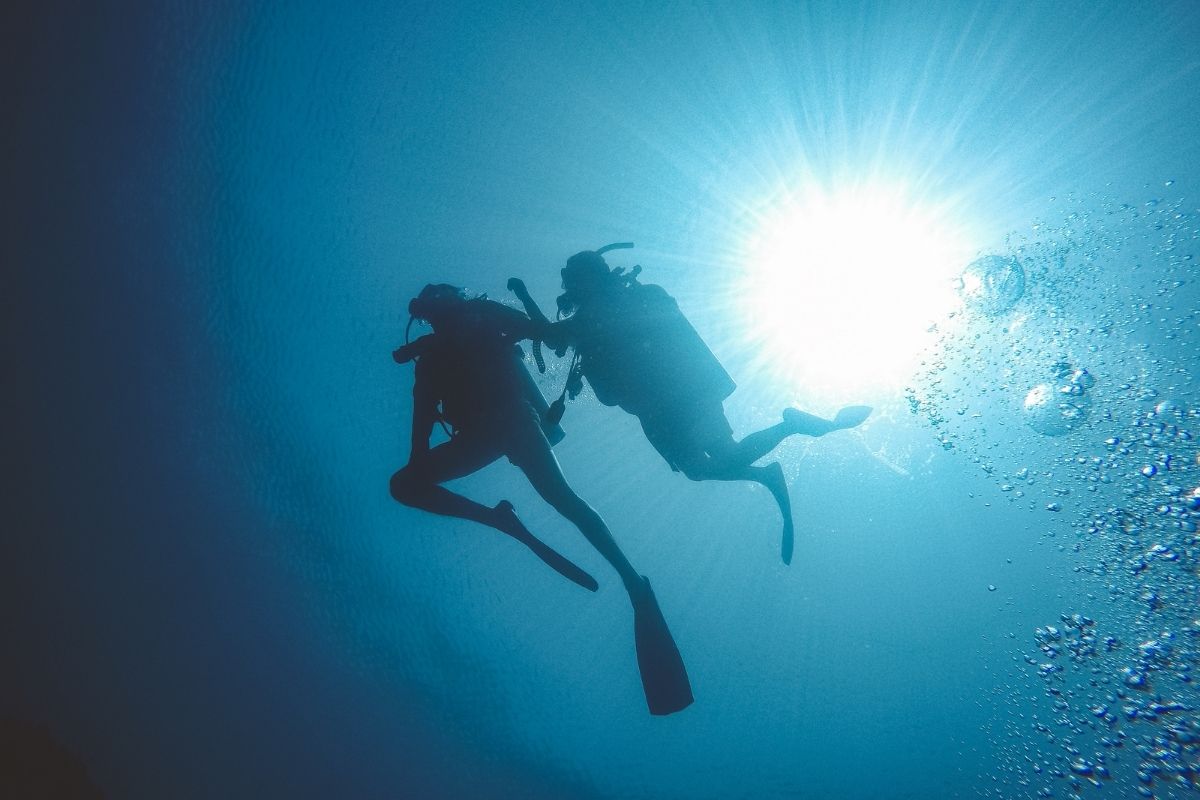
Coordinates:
477	369
639	352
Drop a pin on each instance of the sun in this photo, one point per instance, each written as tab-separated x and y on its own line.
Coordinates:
842	289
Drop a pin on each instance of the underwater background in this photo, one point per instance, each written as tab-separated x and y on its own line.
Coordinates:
216	214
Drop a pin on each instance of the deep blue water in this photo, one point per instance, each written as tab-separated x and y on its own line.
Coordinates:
217	215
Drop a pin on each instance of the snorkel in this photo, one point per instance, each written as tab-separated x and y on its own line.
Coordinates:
584	273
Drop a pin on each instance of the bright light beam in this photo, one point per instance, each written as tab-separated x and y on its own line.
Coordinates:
841	289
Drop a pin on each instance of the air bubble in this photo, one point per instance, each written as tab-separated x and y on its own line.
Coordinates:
992	285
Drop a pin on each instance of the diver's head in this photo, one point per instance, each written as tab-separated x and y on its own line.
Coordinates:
436	303
587	273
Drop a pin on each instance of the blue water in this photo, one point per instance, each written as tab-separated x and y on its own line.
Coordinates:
218	215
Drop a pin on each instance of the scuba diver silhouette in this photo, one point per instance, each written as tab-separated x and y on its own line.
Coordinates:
639	352
471	377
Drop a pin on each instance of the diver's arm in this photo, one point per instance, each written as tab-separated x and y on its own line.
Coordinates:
509	322
422	428
414	349
552	333
517	287
424	417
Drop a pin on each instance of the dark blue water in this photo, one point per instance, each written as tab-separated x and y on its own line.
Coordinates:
217	215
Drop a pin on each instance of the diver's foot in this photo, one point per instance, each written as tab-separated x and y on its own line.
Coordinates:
851	417
505	520
808	424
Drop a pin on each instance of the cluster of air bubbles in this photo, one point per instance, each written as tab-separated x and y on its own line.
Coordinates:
1072	384
992	285
1117	710
1062	403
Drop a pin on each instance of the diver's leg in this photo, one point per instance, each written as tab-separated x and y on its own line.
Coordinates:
708	468
812	425
770	476
532	454
704	428
759	443
417	484
664	676
797	421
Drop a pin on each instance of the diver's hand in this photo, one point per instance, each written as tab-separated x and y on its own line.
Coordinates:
403	354
517	287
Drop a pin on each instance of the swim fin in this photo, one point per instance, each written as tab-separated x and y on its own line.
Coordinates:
788	543
772	477
852	416
664	678
551	557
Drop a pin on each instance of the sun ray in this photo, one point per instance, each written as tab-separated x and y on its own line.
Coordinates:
840	287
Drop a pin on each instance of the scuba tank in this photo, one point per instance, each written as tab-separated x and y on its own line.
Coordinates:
635	347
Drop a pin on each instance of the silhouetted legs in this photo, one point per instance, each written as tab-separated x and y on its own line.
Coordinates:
538	462
802	422
795	421
757	444
418	485
727	466
698	441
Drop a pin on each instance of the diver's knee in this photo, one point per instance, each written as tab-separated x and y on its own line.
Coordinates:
575	508
571	505
406	486
698	470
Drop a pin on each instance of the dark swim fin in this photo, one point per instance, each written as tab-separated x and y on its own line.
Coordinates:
851	416
551	557
561	564
776	483
664	678
788	543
